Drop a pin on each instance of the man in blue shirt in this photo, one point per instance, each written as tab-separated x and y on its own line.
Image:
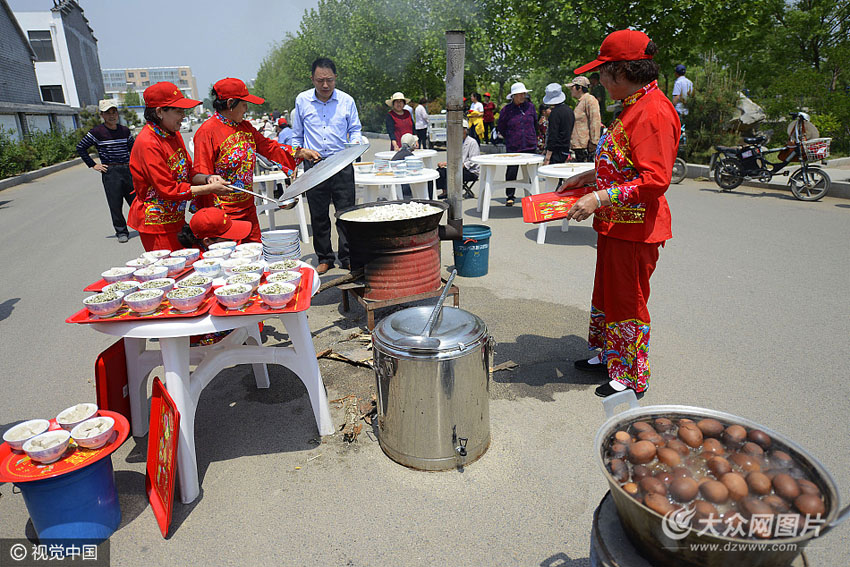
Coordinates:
325	119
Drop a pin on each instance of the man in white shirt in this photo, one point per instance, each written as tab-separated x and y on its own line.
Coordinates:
683	89
420	116
470	170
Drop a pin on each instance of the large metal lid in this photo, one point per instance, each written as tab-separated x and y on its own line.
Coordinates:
456	329
323	170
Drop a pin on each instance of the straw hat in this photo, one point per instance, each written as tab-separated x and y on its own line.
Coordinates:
396	96
517	88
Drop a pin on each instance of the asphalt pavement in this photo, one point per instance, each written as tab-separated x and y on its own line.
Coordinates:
749	316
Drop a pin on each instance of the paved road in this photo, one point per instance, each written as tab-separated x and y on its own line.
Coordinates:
750	316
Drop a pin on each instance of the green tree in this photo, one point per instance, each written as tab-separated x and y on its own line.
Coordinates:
132	98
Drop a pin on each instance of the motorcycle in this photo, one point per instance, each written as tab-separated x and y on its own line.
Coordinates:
732	165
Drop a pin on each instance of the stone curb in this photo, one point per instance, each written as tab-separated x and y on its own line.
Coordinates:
38	173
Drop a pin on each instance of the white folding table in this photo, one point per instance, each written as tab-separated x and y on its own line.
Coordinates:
558	172
490	163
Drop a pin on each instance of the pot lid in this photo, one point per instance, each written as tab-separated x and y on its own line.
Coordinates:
454	329
323	171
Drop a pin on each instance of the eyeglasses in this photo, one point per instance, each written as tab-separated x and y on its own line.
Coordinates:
329	81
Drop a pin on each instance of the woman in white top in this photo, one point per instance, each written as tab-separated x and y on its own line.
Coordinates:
421	122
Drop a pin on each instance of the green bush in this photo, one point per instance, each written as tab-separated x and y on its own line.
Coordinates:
40	149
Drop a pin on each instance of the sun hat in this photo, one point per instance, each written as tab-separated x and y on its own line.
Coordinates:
234	88
465	124
211	222
621	45
167	94
517	88
580	82
106	104
409	139
486	94
282	122
554	94
396	96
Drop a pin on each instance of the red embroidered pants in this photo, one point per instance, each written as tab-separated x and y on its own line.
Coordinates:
164	241
619	318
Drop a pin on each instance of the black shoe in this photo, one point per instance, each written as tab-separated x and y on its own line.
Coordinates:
509	202
586	366
606	390
345	266
122	238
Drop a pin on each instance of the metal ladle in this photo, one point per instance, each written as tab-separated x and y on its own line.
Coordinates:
425	341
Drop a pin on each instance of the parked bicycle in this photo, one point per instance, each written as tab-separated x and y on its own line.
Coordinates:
680	168
734	164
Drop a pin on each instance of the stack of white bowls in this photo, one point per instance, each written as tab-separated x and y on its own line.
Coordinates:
415	165
281	245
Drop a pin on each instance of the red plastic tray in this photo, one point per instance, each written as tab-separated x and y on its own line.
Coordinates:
547	207
255	306
102	283
161	467
18	467
164	311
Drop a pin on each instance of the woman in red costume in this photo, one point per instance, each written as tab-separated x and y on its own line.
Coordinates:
226	145
634	164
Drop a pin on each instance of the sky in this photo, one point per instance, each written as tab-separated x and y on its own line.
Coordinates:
217	39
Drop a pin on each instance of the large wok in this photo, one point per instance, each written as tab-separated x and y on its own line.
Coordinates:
644	526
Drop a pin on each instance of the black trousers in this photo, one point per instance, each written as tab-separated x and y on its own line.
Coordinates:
510	175
442	182
338	190
488	129
423	138
559	157
118	186
582	155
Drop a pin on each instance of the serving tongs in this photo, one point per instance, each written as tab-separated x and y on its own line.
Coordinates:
425	341
286	203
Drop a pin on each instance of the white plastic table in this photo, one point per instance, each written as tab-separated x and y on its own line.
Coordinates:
491	162
372	183
557	172
429	157
185	387
269	182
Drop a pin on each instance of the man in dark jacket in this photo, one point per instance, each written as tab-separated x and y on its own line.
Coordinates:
561	120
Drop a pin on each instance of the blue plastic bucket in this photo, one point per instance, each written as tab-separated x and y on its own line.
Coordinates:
81	505
472	253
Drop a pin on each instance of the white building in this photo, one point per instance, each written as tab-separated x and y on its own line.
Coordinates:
67	64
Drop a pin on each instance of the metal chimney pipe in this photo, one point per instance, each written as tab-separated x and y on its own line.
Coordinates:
455	55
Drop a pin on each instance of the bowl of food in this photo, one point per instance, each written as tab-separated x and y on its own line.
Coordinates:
250	278
208	267
104	304
250	255
363	167
150	273
144	301
140	262
217	253
247	268
258	246
71	417
48	447
156	254
276	295
290	276
186	299
121	287
226	244
196	280
174	265
191	254
283	266
228	265
165	284
18	435
93	433
233	296
118	274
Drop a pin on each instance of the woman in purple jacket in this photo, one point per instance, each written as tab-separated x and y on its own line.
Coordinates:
518	126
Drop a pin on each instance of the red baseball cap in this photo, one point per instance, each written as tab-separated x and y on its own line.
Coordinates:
234	88
282	122
211	222
167	94
622	45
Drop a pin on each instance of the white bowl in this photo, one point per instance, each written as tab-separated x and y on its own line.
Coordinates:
18	435
228	244
276	295
70	417
139	263
284	266
156	254
174	265
51	454
165	284
252	277
118	274
191	254
231	300
217	253
258	246
256	268
150	273
139	301
290	276
250	255
186	304
230	263
208	267
89	439
126	287
104	308
196	280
